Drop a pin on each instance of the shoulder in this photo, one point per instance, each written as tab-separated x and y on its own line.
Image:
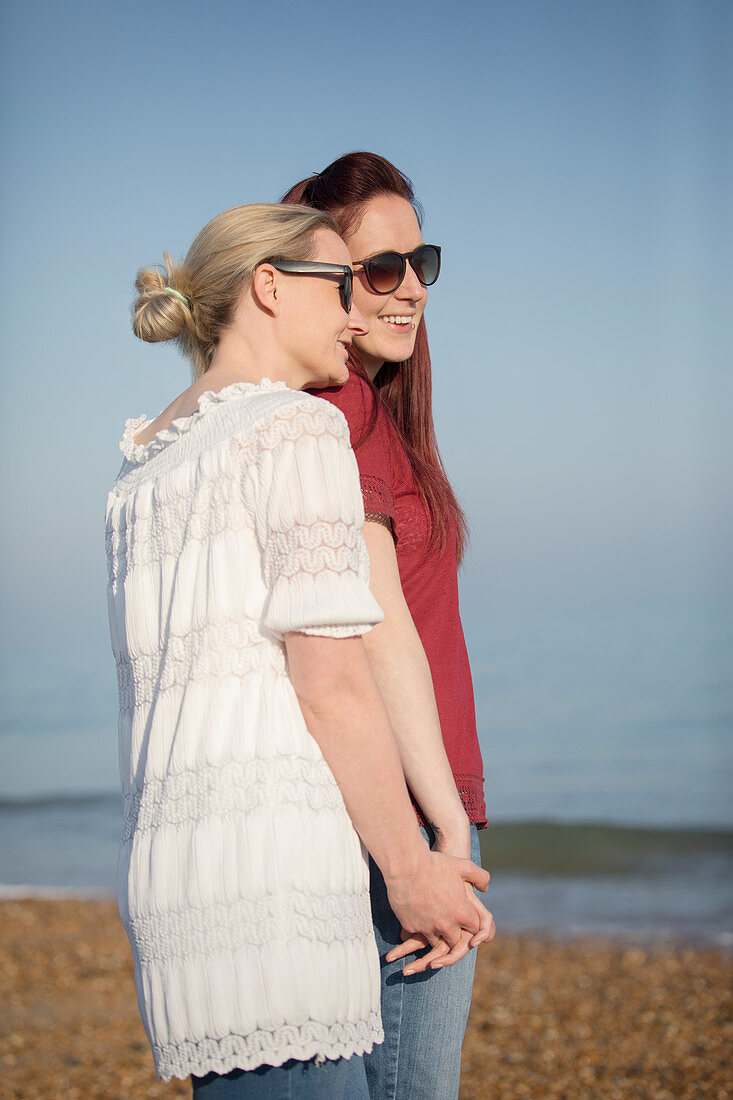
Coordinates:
290	415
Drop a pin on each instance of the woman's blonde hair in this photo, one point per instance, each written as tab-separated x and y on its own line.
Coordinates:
191	302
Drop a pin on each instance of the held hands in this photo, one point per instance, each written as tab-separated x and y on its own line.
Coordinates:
437	907
441	954
477	922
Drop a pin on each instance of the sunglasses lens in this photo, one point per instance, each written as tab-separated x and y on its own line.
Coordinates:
426	264
385	271
346	291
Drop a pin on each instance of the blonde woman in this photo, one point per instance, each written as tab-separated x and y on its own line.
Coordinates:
257	760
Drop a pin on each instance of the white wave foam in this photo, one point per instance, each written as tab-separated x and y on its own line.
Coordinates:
22	892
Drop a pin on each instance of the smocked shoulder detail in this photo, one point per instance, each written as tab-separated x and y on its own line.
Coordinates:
210	399
294	421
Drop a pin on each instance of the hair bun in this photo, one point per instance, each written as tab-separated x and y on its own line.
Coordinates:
160	312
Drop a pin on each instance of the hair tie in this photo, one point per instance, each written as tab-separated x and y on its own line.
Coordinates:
170	290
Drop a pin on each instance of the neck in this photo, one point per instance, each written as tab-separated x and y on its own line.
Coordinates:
371	365
250	357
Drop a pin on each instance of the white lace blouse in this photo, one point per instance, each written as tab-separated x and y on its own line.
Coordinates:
242	883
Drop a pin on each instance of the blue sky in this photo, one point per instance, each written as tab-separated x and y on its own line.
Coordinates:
575	162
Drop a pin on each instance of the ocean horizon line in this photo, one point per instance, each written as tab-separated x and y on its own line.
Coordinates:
68	800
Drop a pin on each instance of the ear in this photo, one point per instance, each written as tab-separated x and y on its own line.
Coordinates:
267	288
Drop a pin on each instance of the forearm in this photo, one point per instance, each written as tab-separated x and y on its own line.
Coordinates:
402	673
349	722
403	676
346	716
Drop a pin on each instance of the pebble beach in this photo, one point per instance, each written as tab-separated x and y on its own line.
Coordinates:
572	1019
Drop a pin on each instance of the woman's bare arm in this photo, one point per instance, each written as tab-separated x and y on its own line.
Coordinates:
402	672
403	676
345	714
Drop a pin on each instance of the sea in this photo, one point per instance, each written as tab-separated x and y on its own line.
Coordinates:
607	737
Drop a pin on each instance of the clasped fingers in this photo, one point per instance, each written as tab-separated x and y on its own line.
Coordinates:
440	954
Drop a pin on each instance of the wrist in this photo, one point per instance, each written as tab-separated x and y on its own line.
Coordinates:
452	832
402	862
455	824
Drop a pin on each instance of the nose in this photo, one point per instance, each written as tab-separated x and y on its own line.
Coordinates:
411	289
357	324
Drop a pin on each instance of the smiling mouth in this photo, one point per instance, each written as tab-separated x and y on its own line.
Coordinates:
397	322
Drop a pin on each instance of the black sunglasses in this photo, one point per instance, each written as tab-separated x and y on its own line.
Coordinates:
386	271
313	267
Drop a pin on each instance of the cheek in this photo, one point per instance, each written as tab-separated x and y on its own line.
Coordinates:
368	304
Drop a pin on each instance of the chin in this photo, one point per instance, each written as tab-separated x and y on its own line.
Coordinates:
339	375
401	349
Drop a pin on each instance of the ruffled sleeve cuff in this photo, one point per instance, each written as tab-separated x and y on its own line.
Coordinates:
334	605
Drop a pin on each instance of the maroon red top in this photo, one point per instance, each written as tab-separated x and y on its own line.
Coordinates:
429	582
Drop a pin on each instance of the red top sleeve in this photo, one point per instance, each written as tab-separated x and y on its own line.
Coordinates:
372	438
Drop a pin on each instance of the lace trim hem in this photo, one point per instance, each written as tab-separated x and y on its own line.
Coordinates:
309	1040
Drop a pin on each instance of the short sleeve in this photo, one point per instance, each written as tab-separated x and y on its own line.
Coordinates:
309	517
372	437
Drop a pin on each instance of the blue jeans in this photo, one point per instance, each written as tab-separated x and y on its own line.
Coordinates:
424	1016
339	1079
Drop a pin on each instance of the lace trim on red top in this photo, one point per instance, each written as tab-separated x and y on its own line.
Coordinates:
379	517
472	798
378	497
471	791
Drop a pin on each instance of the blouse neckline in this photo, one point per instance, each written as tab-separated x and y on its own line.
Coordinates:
209	399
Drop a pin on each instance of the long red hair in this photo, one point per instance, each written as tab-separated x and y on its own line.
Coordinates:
405	389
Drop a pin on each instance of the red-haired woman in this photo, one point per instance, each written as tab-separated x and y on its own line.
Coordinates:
415	533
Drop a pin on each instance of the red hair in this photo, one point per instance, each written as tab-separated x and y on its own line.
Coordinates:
342	190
